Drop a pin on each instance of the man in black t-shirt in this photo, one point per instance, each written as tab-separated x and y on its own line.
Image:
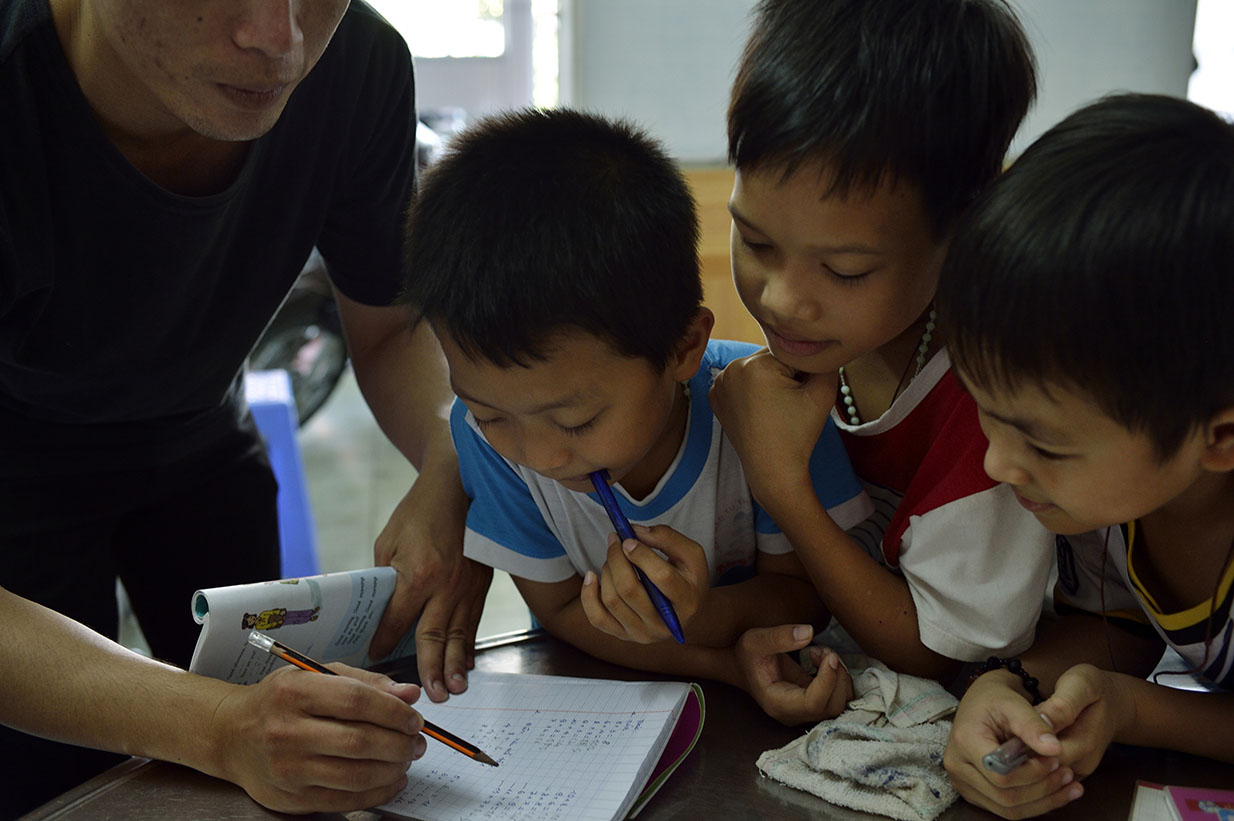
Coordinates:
165	170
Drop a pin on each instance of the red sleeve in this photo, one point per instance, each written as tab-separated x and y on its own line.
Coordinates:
934	456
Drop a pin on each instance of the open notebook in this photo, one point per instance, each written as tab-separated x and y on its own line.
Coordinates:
568	748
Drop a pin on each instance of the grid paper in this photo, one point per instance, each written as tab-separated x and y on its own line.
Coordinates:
569	748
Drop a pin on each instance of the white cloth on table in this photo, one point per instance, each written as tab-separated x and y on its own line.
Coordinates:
883	754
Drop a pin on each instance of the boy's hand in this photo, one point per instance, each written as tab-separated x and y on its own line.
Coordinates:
992	711
299	742
778	683
773	415
1088	709
619	605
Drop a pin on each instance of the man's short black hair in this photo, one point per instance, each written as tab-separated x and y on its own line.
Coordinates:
1103	261
924	91
541	221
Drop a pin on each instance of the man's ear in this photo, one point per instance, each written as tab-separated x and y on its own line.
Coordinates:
686	360
1219	442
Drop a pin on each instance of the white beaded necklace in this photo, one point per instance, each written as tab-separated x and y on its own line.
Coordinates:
846	392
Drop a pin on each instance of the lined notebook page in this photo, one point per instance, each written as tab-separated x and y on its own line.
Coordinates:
569	748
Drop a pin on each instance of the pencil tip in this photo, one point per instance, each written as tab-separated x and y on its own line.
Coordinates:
484	758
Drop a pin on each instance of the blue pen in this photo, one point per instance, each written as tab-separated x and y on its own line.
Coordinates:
622	525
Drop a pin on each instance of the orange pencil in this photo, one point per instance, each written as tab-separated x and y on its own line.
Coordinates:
276	648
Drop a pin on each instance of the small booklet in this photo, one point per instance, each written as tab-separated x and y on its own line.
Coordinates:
1159	802
330	617
567	748
1200	803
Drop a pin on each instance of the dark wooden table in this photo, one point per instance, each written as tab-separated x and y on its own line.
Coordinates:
717	781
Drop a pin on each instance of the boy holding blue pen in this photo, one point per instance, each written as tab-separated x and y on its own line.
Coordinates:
554	255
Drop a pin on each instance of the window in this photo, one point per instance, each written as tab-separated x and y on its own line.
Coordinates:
1212	84
457	28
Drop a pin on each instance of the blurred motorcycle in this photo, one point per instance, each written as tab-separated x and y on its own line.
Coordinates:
305	337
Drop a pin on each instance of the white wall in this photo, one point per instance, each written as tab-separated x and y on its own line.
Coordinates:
666	63
669	63
1088	48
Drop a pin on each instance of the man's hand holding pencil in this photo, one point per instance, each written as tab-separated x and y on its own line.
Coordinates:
298	742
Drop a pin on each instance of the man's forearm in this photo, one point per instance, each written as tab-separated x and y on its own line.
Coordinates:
65	682
404	381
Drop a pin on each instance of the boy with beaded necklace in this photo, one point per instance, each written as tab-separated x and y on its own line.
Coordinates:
554	254
860	129
1090	292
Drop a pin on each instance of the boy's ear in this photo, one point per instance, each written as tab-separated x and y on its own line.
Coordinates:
689	355
1219	442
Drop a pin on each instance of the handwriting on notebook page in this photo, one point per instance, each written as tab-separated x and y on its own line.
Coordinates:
567	749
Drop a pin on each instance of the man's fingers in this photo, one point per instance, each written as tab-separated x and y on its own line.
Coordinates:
432	634
461	639
322	799
405	691
405	603
460	649
482	576
346	776
339	715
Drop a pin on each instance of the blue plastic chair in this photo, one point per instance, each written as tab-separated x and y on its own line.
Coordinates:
274	410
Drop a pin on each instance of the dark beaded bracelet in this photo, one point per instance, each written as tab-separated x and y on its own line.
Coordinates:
1031	685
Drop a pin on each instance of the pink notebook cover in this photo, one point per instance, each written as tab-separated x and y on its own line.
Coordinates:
1201	803
684	736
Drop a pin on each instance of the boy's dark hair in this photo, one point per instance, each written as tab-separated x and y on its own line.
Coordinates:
1103	260
535	222
924	91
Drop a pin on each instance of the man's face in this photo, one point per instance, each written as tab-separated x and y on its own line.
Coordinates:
223	68
583	409
832	278
1071	465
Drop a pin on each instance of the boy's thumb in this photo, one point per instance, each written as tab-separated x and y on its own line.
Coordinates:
1038	733
1071	695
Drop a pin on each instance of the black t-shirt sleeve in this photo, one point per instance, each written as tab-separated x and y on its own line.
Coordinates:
361	239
